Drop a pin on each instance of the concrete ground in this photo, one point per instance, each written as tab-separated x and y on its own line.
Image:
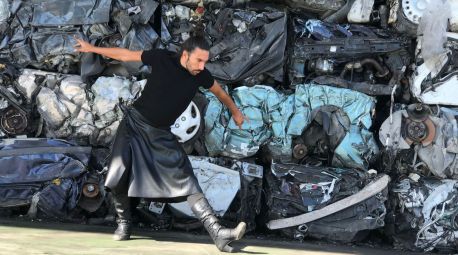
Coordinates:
24	237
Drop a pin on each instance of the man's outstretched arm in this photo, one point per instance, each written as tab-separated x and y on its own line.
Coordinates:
237	115
120	54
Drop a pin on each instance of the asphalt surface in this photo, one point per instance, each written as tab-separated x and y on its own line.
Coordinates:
25	237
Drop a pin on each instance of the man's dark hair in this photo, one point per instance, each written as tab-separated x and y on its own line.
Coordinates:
193	42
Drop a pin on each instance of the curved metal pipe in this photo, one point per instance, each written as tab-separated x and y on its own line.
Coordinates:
348	66
381	70
340	15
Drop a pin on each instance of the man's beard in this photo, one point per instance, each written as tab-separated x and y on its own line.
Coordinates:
193	72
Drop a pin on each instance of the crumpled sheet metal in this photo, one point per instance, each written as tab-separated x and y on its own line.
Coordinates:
194	3
358	106
54	112
56	23
440	157
244	43
293	189
429	205
139	38
242	55
275	118
108	91
71	109
62	159
432	29
360	11
267	111
48	174
55	104
50	46
4	10
440	91
3	104
107	134
73	88
69	12
309	180
357	149
216	118
26	82
47	43
323	48
219	184
435	52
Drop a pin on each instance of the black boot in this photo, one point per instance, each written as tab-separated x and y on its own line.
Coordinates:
221	236
122	206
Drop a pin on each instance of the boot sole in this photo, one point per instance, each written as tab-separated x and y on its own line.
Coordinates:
121	238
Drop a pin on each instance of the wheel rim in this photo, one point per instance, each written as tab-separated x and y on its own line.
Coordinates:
413	9
187	125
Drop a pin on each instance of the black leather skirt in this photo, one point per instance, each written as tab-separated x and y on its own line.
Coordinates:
149	162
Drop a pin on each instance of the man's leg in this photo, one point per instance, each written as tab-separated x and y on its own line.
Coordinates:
123	210
120	164
221	236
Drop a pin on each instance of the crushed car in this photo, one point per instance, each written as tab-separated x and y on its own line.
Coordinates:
421	139
246	45
323	202
424	214
289	125
50	178
366	59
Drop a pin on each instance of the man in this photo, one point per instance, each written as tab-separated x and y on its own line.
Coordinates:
147	160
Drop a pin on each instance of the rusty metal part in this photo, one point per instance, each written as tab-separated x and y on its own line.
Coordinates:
431	132
299	151
418	127
418	112
416	131
13	121
91	190
419	131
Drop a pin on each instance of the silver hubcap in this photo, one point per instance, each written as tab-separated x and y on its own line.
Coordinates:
187	125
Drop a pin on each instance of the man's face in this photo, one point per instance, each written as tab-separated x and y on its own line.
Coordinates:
195	61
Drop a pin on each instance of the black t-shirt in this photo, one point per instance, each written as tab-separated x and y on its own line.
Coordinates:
169	88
